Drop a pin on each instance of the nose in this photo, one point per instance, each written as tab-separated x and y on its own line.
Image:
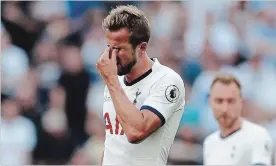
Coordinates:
224	107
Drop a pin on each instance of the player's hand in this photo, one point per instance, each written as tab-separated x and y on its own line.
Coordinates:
107	64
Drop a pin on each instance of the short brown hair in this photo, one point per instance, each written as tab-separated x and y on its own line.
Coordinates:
226	79
133	19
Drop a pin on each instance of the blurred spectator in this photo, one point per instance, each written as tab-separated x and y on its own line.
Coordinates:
92	50
25	94
92	151
47	10
54	119
160	29
94	146
14	64
80	157
57	29
95	98
18	136
187	148
55	144
78	8
46	57
75	81
23	30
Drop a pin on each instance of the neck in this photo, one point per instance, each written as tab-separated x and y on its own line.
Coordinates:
10	119
142	66
236	125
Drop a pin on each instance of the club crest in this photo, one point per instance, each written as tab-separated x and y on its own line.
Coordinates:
136	96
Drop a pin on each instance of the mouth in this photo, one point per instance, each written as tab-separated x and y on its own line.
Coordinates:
222	117
118	62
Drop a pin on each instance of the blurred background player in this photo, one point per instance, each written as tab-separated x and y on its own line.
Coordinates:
144	100
238	141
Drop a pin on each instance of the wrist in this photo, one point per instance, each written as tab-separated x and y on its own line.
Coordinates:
113	83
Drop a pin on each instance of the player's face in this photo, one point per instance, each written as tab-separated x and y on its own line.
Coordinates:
226	103
9	109
126	57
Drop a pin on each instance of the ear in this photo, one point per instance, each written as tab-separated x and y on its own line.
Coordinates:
143	46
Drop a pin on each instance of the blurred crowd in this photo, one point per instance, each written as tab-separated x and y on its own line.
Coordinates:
52	95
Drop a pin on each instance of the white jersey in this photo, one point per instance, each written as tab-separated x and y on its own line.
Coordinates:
160	90
249	145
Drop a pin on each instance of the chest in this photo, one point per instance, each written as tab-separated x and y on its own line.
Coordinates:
231	152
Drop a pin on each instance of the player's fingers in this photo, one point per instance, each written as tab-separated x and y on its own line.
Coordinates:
114	55
110	53
103	57
105	54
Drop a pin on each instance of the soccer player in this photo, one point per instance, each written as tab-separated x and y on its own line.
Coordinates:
238	141
144	100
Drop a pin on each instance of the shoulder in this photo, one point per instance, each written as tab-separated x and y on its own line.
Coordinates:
167	76
169	72
16	52
257	132
167	81
25	123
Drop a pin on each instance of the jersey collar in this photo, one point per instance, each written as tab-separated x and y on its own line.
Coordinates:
232	133
143	75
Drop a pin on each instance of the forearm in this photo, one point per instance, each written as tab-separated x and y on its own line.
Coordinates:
129	116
